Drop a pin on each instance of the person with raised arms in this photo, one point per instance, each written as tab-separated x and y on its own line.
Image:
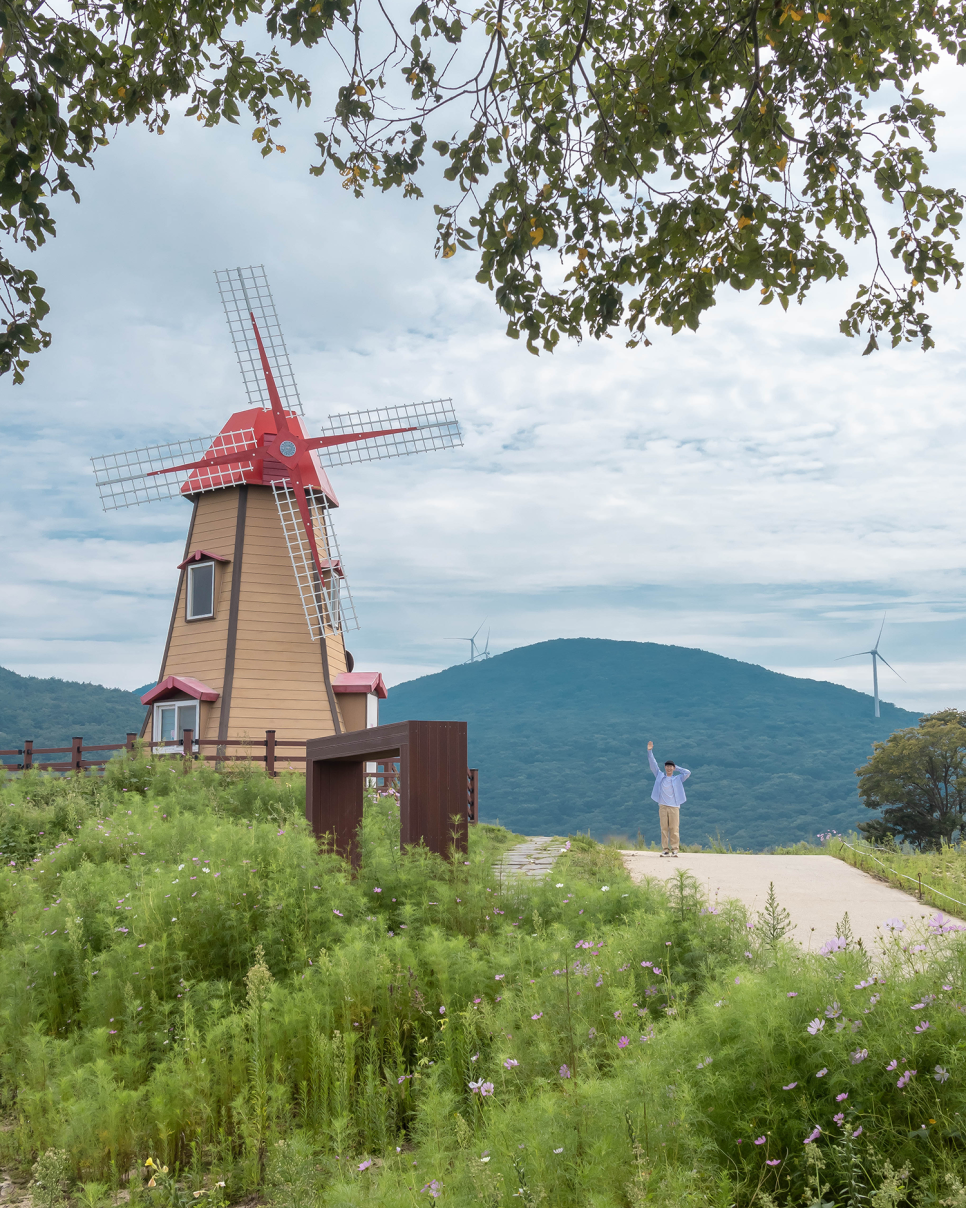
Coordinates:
669	794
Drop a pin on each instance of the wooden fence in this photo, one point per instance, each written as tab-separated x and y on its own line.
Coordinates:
268	752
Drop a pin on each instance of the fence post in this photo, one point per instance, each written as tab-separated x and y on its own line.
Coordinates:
131	739
270	752
28	754
187	749
472	794
76	753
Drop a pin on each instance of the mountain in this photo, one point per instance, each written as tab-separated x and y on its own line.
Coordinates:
52	711
559	732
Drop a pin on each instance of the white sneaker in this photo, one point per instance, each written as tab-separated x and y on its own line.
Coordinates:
664	853
674	855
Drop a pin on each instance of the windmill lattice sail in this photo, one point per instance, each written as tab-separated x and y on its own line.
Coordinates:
125	480
435	425
327	602
245	292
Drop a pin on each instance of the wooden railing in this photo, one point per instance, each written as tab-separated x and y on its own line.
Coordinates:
268	751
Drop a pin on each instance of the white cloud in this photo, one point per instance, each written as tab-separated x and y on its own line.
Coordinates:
758	489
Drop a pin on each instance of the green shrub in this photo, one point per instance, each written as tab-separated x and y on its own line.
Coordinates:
186	976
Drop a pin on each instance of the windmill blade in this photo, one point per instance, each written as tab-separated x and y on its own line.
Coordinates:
879	638
326	599
434	426
245	292
855	656
142	475
890	666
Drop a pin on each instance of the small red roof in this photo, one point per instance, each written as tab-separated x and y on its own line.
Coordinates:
202	555
360	681
178	685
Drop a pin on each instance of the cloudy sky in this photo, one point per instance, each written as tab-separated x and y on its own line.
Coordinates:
757	489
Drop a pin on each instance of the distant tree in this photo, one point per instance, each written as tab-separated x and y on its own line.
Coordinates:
917	779
656	151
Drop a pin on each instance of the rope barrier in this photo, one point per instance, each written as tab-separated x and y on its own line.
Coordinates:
895	872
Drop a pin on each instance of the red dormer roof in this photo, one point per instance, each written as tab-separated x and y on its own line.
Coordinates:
179	685
202	555
360	681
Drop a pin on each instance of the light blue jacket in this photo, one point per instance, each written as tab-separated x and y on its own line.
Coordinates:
677	781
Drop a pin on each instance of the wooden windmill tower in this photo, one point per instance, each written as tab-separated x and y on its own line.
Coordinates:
257	634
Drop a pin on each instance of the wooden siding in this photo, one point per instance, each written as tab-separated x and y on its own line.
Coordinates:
278	682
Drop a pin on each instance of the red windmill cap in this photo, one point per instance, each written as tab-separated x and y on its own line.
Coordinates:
262	423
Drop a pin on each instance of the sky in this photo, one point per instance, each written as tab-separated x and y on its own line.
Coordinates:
757	489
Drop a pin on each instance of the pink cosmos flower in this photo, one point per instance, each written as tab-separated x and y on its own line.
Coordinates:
822	1072
366	1164
792	994
760	1140
813	1135
772	1161
841	1098
858	1132
623	1042
839	1118
564	1071
892	1065
539	1015
377	890
791	1086
510	1064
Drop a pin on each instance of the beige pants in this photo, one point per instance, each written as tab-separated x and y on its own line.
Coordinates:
670	827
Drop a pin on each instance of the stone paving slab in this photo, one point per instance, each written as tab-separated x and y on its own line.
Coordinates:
815	890
532	858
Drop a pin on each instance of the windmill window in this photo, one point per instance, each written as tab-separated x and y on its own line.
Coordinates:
172	718
201	591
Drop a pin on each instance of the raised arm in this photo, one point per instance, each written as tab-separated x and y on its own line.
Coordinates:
652	761
683	772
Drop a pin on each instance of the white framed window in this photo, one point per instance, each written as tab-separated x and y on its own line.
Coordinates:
172	718
201	591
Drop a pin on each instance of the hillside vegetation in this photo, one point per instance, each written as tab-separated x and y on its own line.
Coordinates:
559	732
53	711
196	1003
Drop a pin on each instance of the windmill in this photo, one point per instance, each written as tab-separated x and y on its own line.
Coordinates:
476	654
262	579
875	669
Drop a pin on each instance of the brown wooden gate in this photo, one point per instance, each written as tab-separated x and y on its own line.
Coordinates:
432	783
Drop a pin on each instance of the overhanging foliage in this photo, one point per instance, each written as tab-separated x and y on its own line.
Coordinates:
657	152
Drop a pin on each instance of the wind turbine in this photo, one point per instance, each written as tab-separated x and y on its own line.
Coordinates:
875	669
475	653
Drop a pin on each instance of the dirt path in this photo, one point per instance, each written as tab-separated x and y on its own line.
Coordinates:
815	890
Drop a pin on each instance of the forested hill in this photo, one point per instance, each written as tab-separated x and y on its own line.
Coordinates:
52	711
559	731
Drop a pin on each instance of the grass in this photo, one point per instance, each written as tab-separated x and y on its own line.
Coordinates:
186	977
941	874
